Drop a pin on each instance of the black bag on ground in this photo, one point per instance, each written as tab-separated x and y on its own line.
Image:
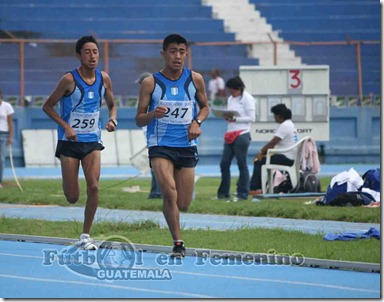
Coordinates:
284	187
308	182
352	199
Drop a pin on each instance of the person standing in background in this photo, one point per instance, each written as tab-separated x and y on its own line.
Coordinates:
80	93
6	132
237	139
173	104
216	85
155	191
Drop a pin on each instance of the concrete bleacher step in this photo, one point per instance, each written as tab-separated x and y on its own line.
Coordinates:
323	23
76	3
328	35
32	87
265	54
9	73
246	22
137	24
239	16
232	62
307	8
371	49
224	50
127	11
193	36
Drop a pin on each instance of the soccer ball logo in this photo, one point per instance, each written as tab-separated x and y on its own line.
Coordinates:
114	254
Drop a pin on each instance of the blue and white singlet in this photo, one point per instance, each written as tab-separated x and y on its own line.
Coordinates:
180	97
81	109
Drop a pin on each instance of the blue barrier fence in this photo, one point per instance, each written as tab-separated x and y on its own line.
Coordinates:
354	134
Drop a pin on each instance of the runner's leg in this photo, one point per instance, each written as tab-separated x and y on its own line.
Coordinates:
91	168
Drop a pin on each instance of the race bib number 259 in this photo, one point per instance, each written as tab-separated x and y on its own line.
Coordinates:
84	122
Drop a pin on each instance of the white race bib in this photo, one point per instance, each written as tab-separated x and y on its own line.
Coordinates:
84	122
179	112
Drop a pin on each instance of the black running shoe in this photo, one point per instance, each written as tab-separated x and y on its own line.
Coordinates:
178	250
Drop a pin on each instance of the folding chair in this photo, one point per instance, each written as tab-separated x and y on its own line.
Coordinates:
293	171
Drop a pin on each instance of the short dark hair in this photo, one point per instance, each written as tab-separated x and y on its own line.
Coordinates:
174	38
80	43
235	83
282	110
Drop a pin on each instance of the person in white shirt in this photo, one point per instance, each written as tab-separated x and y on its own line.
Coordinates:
216	85
6	132
237	139
285	136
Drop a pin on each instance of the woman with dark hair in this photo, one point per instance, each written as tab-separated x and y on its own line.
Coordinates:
237	139
285	137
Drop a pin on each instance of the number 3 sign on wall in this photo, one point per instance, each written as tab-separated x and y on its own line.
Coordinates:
295	83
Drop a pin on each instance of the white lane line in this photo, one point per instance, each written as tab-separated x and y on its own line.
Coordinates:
106	285
21	256
243	278
279	281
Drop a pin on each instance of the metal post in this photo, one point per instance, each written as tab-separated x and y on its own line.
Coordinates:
22	62
274	53
274	49
189	57
359	72
106	56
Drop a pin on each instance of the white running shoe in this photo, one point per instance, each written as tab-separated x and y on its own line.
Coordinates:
86	242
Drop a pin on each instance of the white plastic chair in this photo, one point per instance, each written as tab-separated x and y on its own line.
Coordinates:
293	171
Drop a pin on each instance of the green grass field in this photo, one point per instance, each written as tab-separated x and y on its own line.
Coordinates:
113	195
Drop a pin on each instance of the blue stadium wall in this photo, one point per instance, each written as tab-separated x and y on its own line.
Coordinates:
354	137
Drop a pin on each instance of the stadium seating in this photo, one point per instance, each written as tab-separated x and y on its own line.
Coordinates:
137	19
295	20
331	20
291	20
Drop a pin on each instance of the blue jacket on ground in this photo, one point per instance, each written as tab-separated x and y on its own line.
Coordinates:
372	233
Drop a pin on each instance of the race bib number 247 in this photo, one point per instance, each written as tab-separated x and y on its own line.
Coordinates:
179	112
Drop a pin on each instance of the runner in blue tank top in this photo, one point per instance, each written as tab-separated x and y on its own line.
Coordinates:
173	104
80	93
81	108
179	98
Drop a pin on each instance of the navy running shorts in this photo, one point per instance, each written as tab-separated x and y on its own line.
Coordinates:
181	157
76	149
